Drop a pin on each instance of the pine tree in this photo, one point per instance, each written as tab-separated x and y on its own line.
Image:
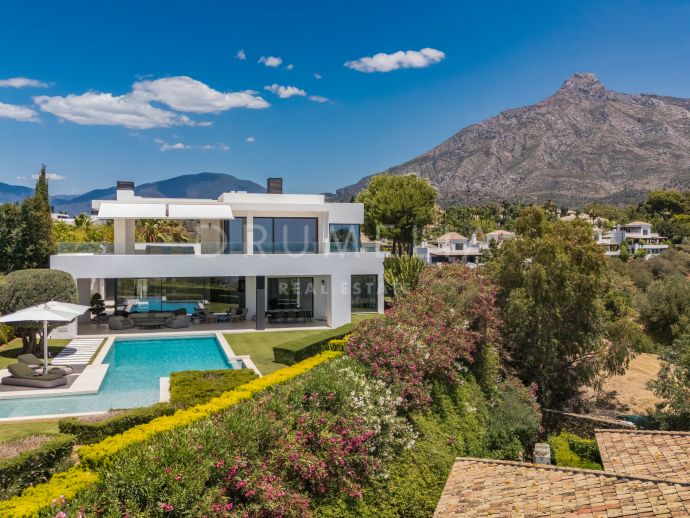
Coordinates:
37	240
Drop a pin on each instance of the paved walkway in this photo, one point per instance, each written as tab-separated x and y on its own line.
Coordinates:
78	352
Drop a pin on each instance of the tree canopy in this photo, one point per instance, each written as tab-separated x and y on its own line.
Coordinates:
397	208
553	292
26	288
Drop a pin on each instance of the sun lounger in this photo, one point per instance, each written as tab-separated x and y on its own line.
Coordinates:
23	376
34	362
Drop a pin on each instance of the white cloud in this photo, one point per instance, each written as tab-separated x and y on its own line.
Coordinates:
319	99
134	110
18	113
185	94
317	76
289	67
271	61
22	82
49	176
250	139
285	92
22	178
402	59
165	146
241	55
93	108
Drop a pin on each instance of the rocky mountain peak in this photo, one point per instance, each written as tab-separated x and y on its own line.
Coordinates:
582	144
582	83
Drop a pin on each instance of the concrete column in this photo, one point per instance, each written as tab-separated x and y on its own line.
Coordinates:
124	236
260	303
250	296
340	300
250	236
84	294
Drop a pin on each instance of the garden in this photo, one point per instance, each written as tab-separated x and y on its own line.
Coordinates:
369	430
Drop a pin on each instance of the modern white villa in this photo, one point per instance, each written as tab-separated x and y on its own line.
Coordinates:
637	234
268	258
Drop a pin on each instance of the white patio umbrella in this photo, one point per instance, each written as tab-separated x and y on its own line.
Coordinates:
52	311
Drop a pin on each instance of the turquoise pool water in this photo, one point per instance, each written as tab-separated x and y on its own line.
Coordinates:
133	378
156	304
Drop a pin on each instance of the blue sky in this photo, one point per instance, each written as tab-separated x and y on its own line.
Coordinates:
127	83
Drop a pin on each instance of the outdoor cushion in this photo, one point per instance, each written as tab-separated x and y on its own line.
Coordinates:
35	362
23	371
178	322
34	382
118	323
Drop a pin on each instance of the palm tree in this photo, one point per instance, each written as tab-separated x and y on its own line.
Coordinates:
82	221
160	231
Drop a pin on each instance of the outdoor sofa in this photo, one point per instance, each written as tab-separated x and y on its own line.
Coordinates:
178	322
118	323
35	363
23	376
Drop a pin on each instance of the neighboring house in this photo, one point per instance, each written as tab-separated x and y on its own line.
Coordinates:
456	248
645	474
65	218
499	236
452	248
265	252
637	234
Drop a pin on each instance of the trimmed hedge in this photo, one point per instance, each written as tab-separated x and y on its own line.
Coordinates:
92	432
189	388
570	450
33	466
81	477
295	351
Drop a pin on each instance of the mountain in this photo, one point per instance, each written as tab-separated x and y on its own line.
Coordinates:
11	193
200	185
584	143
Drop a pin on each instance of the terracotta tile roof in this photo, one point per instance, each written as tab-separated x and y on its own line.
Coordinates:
638	224
664	455
451	236
492	488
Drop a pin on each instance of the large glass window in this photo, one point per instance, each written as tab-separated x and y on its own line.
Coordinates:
285	235
235	231
169	294
344	237
364	297
291	293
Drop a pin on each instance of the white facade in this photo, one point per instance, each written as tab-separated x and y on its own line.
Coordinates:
221	252
456	248
638	235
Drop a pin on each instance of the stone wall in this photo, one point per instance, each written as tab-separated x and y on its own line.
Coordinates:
554	422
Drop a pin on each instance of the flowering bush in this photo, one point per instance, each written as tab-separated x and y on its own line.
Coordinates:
430	334
324	433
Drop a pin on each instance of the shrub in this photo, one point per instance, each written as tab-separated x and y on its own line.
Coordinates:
514	420
401	273
24	288
92	432
570	450
672	385
6	334
430	334
295	351
81	480
188	388
33	466
455	425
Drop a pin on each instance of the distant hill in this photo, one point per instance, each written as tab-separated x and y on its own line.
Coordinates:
200	185
11	193
584	143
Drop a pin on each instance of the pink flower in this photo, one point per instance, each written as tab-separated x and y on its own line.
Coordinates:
229	506
168	469
60	515
167	507
249	494
178	477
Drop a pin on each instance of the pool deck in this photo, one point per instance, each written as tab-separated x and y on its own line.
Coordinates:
103	331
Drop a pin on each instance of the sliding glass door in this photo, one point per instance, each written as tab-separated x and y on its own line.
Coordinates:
291	293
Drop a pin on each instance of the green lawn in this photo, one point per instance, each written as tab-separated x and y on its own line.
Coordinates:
10	351
260	345
9	431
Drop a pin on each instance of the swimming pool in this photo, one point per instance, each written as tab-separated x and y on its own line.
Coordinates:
156	304
133	377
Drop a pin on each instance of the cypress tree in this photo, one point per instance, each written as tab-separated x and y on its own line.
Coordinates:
37	240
